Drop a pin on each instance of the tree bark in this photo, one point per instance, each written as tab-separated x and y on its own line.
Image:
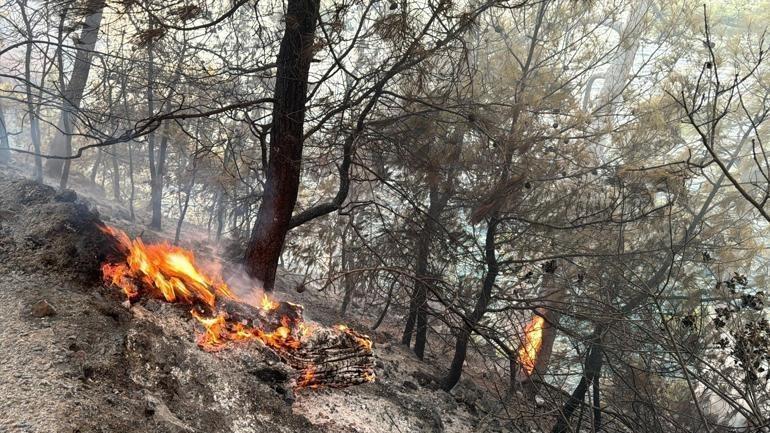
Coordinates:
591	372
221	212
188	192
346	268
95	167
73	94
132	192
157	161
34	120
5	148
286	139
418	308
470	322
156	180
115	176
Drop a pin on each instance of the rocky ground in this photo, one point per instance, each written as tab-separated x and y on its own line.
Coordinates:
77	359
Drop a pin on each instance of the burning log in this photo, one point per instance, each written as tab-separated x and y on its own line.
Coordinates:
334	357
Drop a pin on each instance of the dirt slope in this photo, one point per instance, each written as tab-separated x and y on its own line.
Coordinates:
76	359
89	364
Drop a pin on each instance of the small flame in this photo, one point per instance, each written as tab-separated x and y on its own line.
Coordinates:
306	381
268	304
533	341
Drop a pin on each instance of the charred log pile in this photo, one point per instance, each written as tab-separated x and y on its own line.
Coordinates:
334	357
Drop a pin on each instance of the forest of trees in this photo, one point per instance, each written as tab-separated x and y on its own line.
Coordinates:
464	169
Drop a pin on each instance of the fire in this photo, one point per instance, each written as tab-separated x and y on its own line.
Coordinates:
533	341
307	379
167	271
170	273
268	304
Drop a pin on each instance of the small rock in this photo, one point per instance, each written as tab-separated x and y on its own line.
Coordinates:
424	379
157	409
410	385
42	308
66	196
271	374
287	394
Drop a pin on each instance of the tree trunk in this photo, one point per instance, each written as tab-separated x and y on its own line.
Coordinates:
286	138
591	372
470	322
418	305
156	181
132	190
221	213
114	153
5	148
388	300
186	203
418	308
95	167
34	120
115	176
346	268
156	166
73	94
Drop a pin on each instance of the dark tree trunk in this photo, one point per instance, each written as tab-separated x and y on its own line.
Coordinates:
470	322
592	369
286	138
132	188
73	94
418	304
418	308
156	171
385	308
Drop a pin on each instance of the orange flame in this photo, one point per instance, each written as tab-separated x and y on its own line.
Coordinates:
533	341
170	273
268	304
307	379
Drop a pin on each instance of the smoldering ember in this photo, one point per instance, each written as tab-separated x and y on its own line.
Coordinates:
264	216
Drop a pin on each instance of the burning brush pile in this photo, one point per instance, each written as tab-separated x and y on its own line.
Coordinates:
334	357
